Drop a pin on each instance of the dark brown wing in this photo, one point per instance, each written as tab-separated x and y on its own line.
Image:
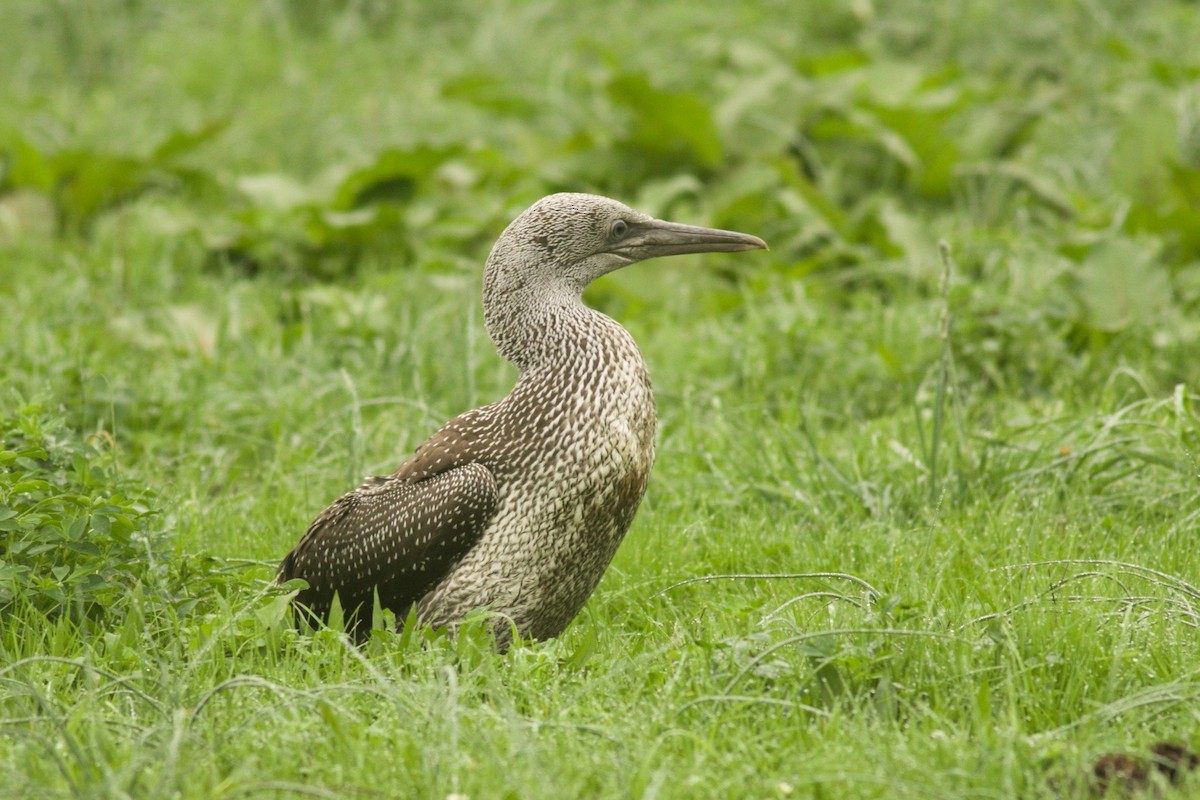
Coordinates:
456	443
398	536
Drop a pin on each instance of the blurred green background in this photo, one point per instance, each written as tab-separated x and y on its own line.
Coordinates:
240	247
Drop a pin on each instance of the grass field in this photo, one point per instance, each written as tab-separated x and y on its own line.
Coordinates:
924	520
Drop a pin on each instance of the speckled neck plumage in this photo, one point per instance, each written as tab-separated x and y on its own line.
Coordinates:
518	506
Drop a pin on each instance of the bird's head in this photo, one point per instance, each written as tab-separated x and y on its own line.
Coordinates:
563	242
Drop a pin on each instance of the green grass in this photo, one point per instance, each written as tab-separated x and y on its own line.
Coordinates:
906	536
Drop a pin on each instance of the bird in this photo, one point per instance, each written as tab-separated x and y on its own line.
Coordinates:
516	507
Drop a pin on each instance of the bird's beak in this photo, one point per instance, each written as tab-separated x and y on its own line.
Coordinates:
654	238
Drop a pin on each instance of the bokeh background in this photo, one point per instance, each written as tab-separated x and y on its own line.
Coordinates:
938	446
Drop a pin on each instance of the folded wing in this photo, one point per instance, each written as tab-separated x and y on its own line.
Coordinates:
397	536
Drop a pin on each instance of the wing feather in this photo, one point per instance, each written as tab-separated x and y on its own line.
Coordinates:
397	536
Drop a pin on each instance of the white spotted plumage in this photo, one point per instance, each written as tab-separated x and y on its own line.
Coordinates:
567	495
518	506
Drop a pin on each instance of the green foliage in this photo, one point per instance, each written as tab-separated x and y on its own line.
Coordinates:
919	526
82	183
74	542
668	132
806	146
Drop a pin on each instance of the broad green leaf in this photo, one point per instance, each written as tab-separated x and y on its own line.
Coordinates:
830	62
88	181
275	611
184	141
30	486
101	525
1039	187
489	92
678	126
26	166
393	177
857	124
1145	144
912	237
1122	283
274	190
926	134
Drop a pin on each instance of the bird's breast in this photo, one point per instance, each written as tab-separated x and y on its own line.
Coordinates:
598	447
575	445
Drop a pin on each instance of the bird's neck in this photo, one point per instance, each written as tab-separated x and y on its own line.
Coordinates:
548	330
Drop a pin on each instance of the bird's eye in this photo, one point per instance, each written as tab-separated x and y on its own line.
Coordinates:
618	230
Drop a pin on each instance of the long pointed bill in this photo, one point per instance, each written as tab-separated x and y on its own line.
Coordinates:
655	238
